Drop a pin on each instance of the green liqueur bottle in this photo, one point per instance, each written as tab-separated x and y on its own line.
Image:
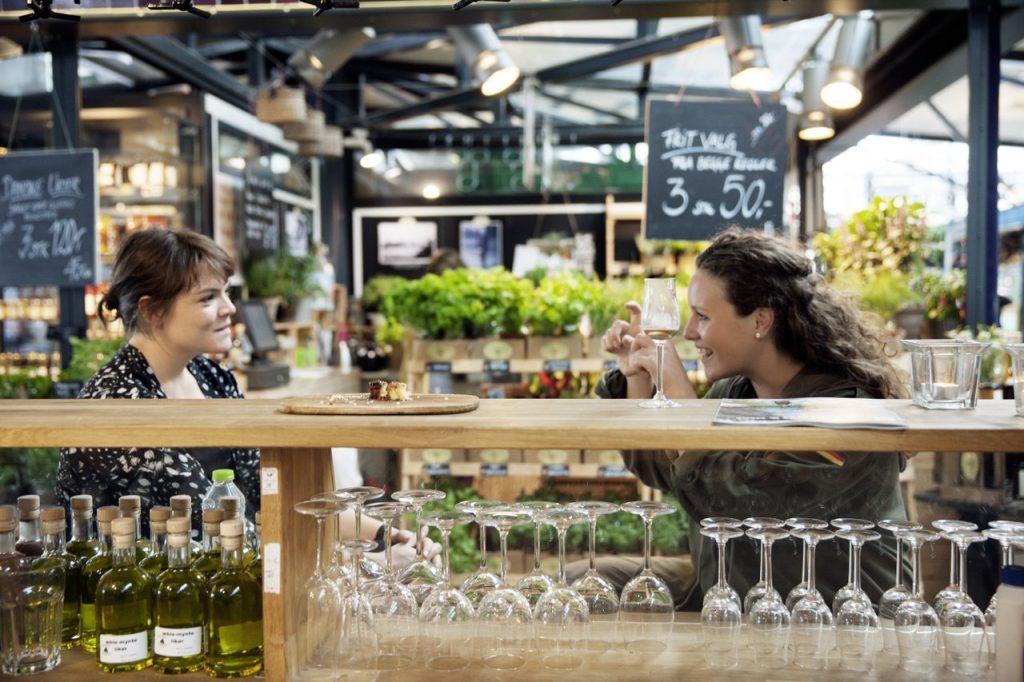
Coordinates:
208	562
131	508
124	606
156	562
232	508
8	526
83	543
54	553
234	611
91	574
178	606
256	566
30	543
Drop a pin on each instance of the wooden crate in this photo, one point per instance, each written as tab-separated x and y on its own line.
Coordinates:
554	347
552	456
978	477
608	458
497	349
494	455
435	455
425	350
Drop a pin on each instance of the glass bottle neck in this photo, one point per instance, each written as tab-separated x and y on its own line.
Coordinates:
124	556
106	541
81	529
179	557
230	558
7	542
53	542
211	543
28	530
159	541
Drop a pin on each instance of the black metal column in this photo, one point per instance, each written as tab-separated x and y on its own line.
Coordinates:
983	137
66	105
337	182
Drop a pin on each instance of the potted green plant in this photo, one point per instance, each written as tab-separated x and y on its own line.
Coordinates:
944	299
555	308
281	277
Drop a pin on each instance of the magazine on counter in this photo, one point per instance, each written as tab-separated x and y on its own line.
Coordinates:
829	413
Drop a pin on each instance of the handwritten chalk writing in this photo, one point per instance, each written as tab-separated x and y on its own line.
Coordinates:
715	164
77	271
32	248
67	237
753	164
12	189
702	207
682	163
59	186
674	138
682	198
748	200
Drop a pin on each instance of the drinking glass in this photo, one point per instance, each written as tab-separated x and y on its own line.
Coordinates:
1006	535
420	576
447	611
323	599
769	617
561	616
358	641
482	580
659	320
1016	351
962	622
847	590
811	616
945	373
760	589
916	622
646	607
857	624
31	599
799	591
898	593
601	596
504	613
726	521
721	616
952	590
534	584
354	497
393	604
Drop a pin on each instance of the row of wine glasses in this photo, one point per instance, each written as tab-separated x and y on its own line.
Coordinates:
805	628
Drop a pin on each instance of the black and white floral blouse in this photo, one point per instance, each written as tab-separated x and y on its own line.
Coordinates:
154	474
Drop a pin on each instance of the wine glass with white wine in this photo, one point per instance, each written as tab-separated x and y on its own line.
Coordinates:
659	319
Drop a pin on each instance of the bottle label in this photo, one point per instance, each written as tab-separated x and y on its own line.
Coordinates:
177	642
124	648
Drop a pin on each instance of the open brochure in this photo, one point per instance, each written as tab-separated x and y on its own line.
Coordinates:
829	413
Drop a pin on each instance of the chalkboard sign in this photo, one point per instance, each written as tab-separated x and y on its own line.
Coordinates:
711	165
261	225
48	208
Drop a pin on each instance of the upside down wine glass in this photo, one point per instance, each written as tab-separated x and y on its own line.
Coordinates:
950	592
646	607
504	613
420	576
916	622
482	580
1006	535
811	616
601	596
393	604
759	589
561	616
534	584
962	622
659	319
857	624
720	617
446	610
898	593
769	617
849	589
799	591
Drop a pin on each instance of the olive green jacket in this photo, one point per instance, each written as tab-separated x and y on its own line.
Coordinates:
782	485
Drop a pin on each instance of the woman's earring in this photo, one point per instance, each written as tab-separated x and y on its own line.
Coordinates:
757	335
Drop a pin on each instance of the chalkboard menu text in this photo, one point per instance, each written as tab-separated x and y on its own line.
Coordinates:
711	165
48	207
261	225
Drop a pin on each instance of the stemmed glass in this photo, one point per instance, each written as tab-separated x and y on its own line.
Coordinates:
857	624
420	576
534	584
812	618
769	617
722	589
646	607
963	623
323	599
355	496
601	596
847	590
916	622
446	610
659	320
720	617
482	580
504	612
561	615
1006	535
799	591
393	604
952	590
760	589
898	593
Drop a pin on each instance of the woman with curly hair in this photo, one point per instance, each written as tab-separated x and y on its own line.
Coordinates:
767	326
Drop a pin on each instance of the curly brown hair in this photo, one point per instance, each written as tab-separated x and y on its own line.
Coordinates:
814	323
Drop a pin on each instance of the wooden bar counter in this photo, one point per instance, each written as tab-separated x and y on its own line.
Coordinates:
296	453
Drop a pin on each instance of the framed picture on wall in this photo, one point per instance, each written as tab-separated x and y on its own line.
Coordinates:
480	243
406	243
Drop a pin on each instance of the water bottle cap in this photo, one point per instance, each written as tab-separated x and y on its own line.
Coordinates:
223	475
1013	575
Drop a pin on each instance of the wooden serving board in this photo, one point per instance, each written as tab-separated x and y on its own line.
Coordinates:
360	403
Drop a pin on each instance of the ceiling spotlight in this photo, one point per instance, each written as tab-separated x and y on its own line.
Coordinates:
431	191
747	62
478	45
180	5
816	119
844	87
372	159
325	5
41	9
327	51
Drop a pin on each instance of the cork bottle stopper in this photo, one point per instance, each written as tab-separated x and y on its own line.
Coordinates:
123	530
231	507
52	520
178	529
28	507
181	505
81	506
158	519
211	521
231	534
104	515
129	504
8	518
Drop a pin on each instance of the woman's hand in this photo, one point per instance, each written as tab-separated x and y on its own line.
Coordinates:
619	340
403	550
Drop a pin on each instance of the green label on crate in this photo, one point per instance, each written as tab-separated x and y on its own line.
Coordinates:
436	469
557	365
553	470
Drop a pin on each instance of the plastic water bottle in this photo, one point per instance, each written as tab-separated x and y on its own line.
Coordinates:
1010	626
223	486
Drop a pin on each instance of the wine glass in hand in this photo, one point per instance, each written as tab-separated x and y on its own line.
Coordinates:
659	320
